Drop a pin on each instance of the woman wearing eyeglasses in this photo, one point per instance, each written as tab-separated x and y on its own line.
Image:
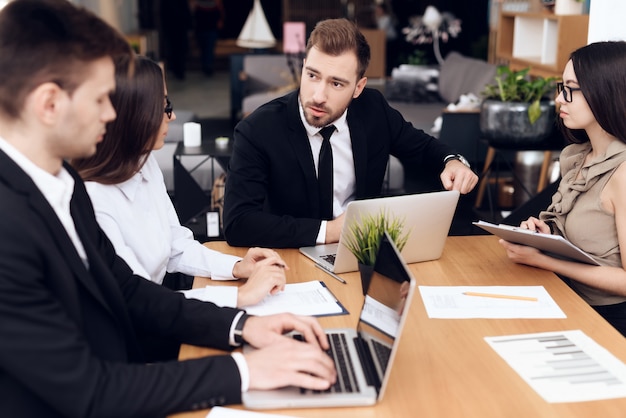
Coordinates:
133	208
589	208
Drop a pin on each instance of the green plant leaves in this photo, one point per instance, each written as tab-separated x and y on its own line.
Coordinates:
519	86
365	235
534	112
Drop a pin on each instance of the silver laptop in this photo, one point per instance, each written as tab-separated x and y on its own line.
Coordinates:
427	217
367	352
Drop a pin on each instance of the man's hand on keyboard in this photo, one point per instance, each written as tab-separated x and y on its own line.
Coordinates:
261	331
288	362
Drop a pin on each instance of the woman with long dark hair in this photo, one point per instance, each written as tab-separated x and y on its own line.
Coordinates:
132	205
589	208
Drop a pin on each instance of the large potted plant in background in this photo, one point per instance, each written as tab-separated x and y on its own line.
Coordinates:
365	235
516	110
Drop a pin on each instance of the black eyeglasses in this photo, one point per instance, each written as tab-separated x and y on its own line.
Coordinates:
566	90
168	107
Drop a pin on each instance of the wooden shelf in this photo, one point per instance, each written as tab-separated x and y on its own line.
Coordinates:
541	41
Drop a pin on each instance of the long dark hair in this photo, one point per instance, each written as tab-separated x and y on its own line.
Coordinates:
129	138
601	72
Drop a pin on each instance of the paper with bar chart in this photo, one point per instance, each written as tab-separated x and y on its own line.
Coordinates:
563	366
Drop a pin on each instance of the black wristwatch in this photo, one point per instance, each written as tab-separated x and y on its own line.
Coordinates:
458	157
238	331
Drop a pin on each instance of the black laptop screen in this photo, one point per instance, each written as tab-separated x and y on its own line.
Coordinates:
387	292
385	304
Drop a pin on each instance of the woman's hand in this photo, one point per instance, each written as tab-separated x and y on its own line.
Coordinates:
535	224
267	278
521	254
244	268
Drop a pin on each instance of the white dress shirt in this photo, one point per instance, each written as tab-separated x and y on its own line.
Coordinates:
141	222
344	177
58	191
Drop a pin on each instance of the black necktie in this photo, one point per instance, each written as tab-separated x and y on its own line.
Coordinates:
325	173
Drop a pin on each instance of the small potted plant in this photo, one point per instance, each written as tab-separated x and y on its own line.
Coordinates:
365	235
516	109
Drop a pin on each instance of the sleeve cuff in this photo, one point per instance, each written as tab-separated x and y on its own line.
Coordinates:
231	333
224	269
219	295
321	236
244	373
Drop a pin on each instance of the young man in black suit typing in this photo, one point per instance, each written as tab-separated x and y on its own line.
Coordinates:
70	309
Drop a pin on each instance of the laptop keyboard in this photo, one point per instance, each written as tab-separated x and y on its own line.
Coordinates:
382	353
329	258
346	380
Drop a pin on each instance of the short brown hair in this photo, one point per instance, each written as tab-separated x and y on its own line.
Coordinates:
138	101
336	36
50	41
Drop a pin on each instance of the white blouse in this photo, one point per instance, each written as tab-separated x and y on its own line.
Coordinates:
141	222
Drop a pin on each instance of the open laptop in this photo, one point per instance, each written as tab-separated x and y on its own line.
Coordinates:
427	217
370	348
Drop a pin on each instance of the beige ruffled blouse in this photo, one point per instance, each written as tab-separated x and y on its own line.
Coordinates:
576	212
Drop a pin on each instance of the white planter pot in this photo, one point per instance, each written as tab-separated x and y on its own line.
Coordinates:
568	7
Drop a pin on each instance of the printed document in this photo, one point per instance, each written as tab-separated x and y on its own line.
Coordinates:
563	366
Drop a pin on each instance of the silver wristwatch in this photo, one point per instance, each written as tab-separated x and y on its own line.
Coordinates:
458	157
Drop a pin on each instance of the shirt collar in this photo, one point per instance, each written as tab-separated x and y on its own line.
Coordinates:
130	187
57	189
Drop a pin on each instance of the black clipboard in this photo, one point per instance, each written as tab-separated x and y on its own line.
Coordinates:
554	245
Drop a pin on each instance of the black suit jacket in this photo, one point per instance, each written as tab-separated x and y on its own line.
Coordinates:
68	342
271	196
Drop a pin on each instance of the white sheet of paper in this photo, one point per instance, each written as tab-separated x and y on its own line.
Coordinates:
221	412
563	366
450	302
308	298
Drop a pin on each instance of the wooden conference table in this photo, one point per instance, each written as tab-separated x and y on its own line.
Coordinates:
444	367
